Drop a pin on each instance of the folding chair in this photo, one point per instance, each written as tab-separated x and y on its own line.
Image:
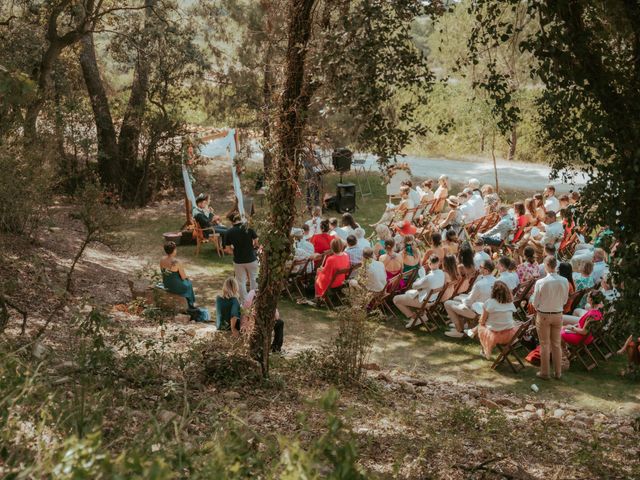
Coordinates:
575	298
599	342
577	352
335	291
521	298
297	273
378	302
214	239
423	314
510	349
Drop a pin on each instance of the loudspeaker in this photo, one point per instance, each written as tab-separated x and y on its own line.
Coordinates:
341	159
346	197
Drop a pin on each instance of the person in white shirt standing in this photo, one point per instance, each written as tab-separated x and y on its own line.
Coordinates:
550	294
314	223
421	288
551	202
460	308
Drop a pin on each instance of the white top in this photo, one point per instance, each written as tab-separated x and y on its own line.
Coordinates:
510	278
421	287
305	247
339	233
425	195
314	226
364	243
599	271
376	279
500	315
481	291
552	203
480	257
553	233
414	196
440	193
550	294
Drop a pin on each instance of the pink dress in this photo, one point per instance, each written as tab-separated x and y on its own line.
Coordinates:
576	338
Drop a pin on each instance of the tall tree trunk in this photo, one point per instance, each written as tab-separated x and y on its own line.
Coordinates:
276	240
109	165
495	164
130	130
513	142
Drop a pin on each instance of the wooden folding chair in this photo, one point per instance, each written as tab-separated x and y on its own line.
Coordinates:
335	291
579	351
511	348
423	314
599	342
297	272
521	298
574	299
378	302
214	239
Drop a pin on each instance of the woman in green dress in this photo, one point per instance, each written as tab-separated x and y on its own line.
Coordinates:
173	276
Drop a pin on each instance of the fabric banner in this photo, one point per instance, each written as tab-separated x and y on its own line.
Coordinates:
188	187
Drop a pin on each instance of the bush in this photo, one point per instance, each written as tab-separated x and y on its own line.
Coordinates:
25	187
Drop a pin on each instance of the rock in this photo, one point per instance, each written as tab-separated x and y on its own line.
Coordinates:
582	418
485	402
626	430
407	387
231	395
507	402
527	415
257	418
182	318
371	366
558	413
540	413
569	418
166	416
529	408
39	351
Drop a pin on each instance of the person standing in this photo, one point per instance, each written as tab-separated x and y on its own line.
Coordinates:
242	242
549	297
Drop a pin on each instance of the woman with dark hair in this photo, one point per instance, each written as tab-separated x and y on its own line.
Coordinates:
411	254
565	270
466	265
337	260
522	221
529	268
436	249
496	325
541	212
451	242
349	225
393	261
322	241
451	276
579	333
174	277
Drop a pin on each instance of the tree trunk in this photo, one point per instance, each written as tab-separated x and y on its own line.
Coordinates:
276	240
109	166
267	88
512	144
495	165
129	140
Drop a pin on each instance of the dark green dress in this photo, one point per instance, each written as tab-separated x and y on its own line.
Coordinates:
175	284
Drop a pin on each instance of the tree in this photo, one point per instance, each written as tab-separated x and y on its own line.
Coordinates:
588	56
347	59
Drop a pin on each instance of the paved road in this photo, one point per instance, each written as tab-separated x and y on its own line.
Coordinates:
512	175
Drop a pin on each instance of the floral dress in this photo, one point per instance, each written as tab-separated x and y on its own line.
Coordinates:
527	271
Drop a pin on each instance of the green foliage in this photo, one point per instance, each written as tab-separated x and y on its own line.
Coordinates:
25	187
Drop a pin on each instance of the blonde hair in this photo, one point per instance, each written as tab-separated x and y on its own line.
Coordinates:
230	288
383	232
445	180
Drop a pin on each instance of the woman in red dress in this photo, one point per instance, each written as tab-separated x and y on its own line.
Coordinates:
522	221
337	260
321	241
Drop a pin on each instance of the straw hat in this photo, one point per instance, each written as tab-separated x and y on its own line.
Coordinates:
474	183
453	201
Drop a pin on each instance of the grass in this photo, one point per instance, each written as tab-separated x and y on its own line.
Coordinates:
431	355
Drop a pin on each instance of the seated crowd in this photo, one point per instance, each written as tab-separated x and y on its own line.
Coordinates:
477	258
481	261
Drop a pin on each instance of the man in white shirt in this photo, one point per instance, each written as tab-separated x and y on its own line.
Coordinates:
551	203
314	223
507	276
480	255
375	274
413	193
501	230
354	251
336	231
553	231
303	248
426	194
362	242
460	308
600	267
421	288
549	297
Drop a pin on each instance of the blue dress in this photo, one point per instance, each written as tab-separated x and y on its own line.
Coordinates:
226	309
175	284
